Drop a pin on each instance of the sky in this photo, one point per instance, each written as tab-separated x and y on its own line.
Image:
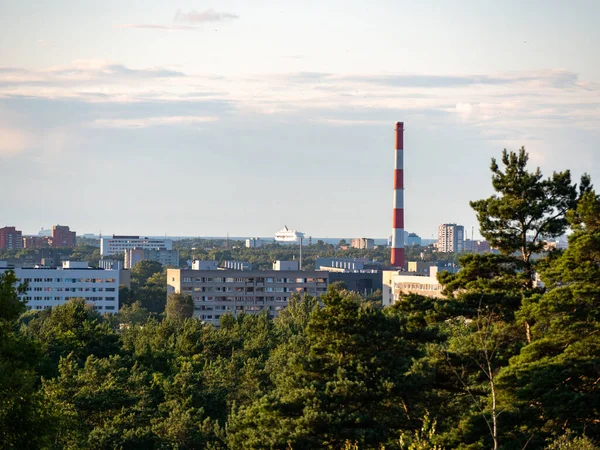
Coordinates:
200	118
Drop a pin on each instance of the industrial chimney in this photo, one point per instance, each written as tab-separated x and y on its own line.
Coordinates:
398	259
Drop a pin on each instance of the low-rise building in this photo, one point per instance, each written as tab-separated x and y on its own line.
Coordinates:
119	244
396	283
219	292
254	243
362	243
52	286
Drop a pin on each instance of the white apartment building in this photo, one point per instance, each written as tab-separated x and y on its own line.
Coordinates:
218	292
52	286
119	244
451	238
363	243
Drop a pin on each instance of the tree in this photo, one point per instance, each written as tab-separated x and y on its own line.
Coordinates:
527	209
142	271
11	306
180	306
554	380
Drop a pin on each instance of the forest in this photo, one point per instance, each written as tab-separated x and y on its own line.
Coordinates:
508	359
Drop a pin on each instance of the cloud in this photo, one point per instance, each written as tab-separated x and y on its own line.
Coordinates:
197	17
152	26
146	122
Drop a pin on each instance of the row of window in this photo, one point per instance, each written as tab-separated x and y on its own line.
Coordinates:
251	280
28	298
68	280
205	298
107	308
60	289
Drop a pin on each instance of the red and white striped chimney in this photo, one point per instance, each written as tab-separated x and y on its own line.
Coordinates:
398	259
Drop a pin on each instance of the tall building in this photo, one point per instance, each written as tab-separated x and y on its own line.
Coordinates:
451	238
218	292
52	286
63	237
162	255
119	244
10	238
363	243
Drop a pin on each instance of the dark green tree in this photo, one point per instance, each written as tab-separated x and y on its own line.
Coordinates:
180	306
526	209
554	379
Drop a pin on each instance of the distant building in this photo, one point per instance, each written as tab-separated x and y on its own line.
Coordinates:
118	244
36	241
163	256
10	238
285	265
219	292
424	267
254	243
397	283
451	238
362	243
52	286
63	237
205	265
414	239
361	282
237	265
112	264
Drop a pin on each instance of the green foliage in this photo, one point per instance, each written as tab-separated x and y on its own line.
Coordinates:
180	306
528	209
11	306
568	442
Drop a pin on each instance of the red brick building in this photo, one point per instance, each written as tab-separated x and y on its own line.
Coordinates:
10	238
63	237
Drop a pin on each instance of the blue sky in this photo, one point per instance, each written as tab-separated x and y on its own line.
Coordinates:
206	118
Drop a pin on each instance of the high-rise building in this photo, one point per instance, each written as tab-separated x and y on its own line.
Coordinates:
451	238
10	238
63	237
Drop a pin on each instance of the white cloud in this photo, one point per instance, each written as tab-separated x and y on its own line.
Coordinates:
146	122
209	15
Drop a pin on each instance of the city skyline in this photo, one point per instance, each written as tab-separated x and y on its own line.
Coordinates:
198	118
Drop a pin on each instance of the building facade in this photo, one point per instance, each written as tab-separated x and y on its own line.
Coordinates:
36	241
254	243
395	284
53	286
219	292
63	237
362	243
119	244
10	238
163	256
451	238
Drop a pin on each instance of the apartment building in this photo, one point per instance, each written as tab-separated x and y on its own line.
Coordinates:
52	286
63	237
397	283
218	292
362	243
451	238
162	255
10	238
119	244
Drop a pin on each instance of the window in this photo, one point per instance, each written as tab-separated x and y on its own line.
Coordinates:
47	280
37	280
109	299
110	289
109	308
109	280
